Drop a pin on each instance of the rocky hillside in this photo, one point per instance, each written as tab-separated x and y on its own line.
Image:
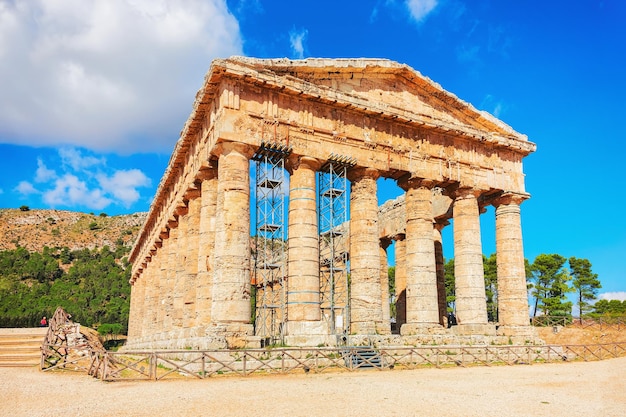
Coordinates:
34	229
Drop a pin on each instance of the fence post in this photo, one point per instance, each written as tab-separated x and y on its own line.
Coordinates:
153	366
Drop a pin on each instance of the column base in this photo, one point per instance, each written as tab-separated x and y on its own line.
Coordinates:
471	329
412	329
308	333
518	331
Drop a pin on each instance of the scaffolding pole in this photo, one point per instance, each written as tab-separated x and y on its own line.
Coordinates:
270	260
333	232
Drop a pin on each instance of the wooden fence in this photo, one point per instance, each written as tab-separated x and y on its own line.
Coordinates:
616	323
173	364
156	365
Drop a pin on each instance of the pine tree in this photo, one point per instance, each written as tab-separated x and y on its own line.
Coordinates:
585	282
550	286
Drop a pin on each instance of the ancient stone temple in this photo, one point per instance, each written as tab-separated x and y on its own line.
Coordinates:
266	226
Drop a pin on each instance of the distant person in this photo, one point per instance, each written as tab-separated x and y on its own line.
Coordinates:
43	322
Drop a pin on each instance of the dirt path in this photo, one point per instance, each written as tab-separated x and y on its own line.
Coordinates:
564	389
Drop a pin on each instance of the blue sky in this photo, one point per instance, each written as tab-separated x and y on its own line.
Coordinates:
94	93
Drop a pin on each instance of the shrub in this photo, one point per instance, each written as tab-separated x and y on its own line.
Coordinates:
24	208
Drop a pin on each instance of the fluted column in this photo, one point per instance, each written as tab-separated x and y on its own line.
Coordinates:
400	281
441	276
191	261
206	246
384	283
366	315
471	308
422	309
231	285
512	295
303	294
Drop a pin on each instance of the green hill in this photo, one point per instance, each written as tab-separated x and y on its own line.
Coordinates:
51	258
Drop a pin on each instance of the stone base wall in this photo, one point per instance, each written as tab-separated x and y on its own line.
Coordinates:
203	339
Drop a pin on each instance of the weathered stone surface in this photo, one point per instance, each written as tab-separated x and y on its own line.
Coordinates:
468	260
303	295
513	301
191	262
365	295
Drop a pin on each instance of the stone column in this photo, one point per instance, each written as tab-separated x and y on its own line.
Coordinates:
441	276
162	264
170	278
384	283
148	303
365	293
149	300
191	261
157	284
231	285
303	283
471	307
512	295
400	281
135	318
180	273
422	311
206	246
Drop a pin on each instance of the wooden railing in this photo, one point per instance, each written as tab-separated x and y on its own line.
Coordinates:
170	364
601	323
173	364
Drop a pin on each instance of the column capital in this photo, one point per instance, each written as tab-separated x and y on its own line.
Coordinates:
226	147
294	162
508	197
191	194
357	173
207	171
460	193
408	182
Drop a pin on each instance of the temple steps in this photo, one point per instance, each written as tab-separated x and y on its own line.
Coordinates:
21	347
362	358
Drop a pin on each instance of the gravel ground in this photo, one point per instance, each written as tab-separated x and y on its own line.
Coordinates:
563	389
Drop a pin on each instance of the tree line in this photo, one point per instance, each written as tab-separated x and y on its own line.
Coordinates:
90	284
550	279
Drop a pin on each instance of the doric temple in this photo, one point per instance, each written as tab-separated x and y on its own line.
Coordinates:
266	227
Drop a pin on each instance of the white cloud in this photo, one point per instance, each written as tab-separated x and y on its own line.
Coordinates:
43	174
296	40
123	185
25	188
419	9
85	181
616	295
106	74
69	190
74	158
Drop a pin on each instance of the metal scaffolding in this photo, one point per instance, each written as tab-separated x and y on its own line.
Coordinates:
333	233
270	260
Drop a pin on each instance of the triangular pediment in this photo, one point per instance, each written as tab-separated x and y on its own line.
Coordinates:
379	86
